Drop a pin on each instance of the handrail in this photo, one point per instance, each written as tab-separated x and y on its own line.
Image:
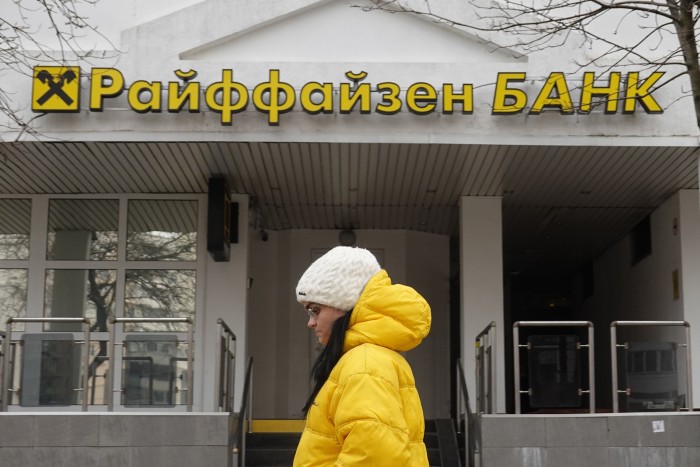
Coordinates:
463	401
7	341
225	374
236	439
613	353
589	345
112	344
485	343
2	365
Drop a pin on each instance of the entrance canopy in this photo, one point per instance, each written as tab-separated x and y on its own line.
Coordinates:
562	206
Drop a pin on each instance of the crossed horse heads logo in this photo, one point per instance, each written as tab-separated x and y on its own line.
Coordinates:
56	89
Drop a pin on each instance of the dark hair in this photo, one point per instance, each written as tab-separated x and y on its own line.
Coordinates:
329	356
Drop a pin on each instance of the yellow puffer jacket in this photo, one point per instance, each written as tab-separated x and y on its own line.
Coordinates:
368	413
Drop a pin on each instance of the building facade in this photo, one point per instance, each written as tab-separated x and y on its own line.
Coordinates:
504	184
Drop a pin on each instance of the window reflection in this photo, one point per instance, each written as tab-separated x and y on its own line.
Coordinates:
83	229
162	230
13	296
15	222
159	293
78	293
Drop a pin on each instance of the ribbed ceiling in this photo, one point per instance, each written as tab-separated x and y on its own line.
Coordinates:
561	204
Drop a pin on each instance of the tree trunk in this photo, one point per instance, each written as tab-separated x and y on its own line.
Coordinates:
683	15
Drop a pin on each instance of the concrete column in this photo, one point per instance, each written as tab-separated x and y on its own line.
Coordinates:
481	273
689	225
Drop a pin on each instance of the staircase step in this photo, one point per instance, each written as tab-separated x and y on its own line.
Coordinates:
273	443
269	457
431	440
278	426
434	457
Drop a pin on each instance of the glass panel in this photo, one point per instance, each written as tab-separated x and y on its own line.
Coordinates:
50	370
97	373
162	230
49	367
150	370
652	377
83	229
77	293
554	371
15	222
159	293
13	296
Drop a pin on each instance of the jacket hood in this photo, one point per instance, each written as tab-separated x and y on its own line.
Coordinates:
394	316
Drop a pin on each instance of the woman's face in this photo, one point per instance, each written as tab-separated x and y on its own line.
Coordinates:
321	318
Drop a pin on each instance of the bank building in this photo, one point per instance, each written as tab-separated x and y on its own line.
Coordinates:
171	189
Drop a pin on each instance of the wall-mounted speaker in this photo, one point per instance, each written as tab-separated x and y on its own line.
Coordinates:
222	220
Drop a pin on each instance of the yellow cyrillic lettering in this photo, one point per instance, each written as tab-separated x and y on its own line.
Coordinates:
325	90
503	94
449	97
421	98
104	82
391	104
349	95
555	82
611	91
225	87
273	89
642	93
181	94
138	89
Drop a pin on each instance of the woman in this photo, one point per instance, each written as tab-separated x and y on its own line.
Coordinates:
364	409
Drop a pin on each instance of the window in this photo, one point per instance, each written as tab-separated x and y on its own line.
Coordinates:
160	230
102	257
83	229
78	293
15	226
13	295
641	240
159	293
15	221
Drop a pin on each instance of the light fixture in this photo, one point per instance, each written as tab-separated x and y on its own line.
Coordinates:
347	237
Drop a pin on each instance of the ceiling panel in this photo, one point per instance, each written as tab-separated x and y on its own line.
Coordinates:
553	196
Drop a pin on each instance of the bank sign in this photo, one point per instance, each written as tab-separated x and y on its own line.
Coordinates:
57	89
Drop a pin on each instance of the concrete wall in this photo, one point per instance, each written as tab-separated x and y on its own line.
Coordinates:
645	290
649	440
113	440
283	347
690	266
206	36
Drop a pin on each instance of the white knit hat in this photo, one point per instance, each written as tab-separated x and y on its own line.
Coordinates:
337	278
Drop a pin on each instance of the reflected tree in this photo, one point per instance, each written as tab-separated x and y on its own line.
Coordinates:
13	294
149	293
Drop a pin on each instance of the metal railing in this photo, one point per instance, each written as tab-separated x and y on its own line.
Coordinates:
225	367
463	408
485	370
111	352
2	366
516	357
236	437
7	357
613	352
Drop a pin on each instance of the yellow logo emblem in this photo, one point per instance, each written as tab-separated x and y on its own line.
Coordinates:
56	89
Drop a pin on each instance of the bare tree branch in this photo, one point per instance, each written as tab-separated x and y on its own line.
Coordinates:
21	47
669	38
